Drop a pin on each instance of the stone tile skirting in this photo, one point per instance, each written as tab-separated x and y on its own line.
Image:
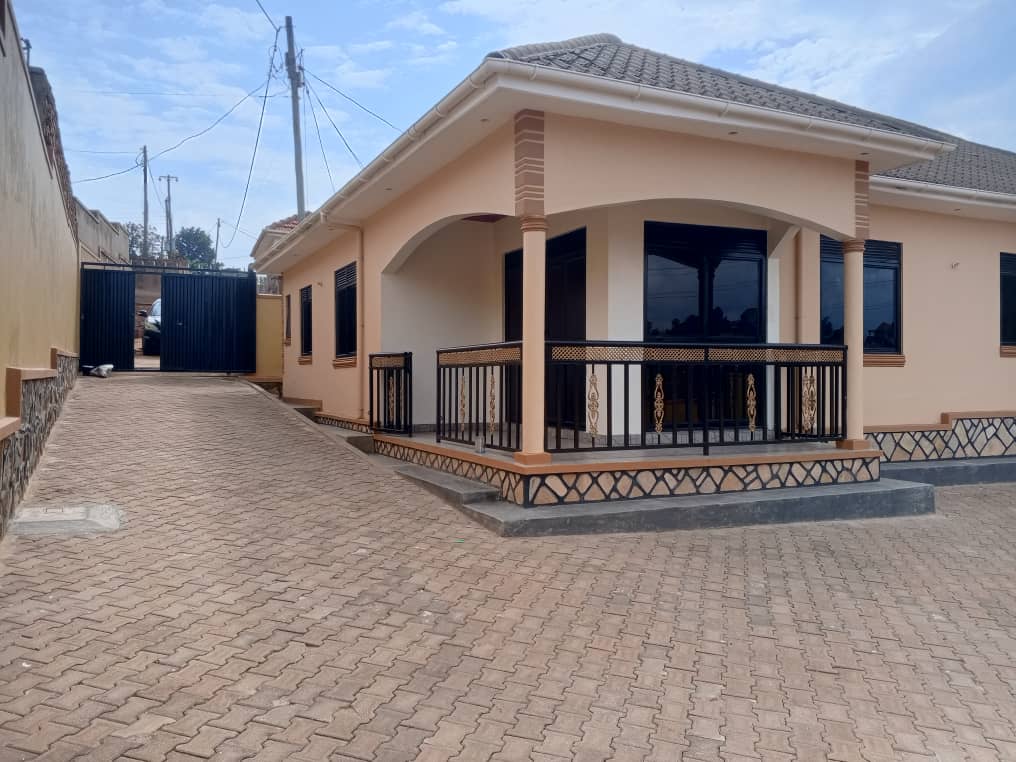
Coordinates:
960	435
567	484
343	423
39	397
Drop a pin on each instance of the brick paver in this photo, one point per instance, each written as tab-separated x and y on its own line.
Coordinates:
275	595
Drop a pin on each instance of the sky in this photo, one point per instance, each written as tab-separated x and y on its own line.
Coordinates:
128	73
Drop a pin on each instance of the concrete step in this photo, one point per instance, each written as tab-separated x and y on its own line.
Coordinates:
884	498
454	489
943	473
304	410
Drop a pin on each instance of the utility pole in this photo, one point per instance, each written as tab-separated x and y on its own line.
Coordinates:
295	81
218	224
144	173
169	212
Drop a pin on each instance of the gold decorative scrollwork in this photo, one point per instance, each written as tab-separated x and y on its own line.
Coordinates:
462	406
809	401
492	406
593	406
751	402
391	400
658	406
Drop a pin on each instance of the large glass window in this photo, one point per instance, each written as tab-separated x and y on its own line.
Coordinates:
704	283
1008	299
306	322
345	310
882	295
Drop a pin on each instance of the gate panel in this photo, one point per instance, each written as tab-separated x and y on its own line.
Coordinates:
107	317
209	322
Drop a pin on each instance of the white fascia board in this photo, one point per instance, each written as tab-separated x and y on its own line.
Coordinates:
943	199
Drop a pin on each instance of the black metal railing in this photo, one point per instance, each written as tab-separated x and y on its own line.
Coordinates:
610	395
479	395
391	392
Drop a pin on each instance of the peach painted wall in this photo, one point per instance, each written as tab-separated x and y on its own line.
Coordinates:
269	336
591	163
950	321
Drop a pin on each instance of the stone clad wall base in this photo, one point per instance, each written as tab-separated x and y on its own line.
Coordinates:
41	403
959	437
342	423
567	488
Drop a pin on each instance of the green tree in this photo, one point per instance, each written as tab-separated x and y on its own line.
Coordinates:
195	245
135	239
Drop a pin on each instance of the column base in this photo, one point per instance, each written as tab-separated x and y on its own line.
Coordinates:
532	458
853	444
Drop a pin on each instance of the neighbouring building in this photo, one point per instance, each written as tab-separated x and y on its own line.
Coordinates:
603	266
38	267
100	240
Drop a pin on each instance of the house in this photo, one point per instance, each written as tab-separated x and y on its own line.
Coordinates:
621	274
38	267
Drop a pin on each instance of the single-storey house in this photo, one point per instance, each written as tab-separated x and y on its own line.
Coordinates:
596	272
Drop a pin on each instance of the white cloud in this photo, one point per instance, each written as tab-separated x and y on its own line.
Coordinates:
377	46
416	21
235	25
424	55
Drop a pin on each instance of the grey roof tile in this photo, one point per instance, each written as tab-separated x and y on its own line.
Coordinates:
971	165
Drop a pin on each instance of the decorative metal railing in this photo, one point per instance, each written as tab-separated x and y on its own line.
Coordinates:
609	395
479	395
391	392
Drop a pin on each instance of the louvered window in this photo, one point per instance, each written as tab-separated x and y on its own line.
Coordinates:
345	310
1008	297
306	322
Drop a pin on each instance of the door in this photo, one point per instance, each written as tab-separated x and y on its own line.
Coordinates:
107	317
209	322
565	305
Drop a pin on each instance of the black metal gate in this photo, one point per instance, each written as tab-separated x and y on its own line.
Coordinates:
208	317
107	317
208	321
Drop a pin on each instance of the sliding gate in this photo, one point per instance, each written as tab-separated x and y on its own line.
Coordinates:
208	319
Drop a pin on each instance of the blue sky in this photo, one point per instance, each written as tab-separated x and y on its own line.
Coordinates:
133	72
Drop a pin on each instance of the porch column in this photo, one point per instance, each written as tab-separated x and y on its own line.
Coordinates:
529	208
853	337
534	277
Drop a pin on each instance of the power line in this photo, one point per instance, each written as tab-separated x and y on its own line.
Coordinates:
111	174
216	122
321	142
353	101
257	138
270	21
241	231
84	150
329	116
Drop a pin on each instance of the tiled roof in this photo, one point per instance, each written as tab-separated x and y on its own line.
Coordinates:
284	225
971	165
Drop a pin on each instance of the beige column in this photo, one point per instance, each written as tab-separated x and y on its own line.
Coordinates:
534	286
853	337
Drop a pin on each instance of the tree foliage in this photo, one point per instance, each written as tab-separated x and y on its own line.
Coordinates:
135	239
195	245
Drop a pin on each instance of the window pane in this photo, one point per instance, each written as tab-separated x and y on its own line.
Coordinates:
672	297
831	301
1009	309
736	298
881	309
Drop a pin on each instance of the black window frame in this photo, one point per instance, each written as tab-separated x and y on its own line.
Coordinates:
1007	270
289	318
306	322
730	239
345	311
878	254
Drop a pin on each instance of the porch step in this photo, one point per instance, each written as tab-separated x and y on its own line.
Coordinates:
454	489
884	498
304	410
943	473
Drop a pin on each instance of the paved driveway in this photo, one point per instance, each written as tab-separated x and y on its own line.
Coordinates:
274	594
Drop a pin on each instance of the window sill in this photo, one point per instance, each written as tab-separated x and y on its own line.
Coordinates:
884	361
344	361
286	342
305	359
1007	350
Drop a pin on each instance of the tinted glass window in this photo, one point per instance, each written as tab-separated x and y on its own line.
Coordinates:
736	296
672	297
1008	305
831	299
306	324
882	308
345	310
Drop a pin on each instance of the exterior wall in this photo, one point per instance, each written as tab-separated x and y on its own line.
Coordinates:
38	251
269	336
950	320
448	293
98	239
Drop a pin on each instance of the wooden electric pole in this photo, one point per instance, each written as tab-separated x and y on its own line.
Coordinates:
218	224
295	81
144	174
169	212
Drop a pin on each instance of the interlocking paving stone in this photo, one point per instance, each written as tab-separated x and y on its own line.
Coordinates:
273	594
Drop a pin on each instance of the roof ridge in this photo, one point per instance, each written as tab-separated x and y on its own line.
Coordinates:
519	52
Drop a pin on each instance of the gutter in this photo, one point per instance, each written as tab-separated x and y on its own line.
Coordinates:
526	76
946	193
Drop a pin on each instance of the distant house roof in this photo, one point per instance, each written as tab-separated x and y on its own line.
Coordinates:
971	165
284	225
